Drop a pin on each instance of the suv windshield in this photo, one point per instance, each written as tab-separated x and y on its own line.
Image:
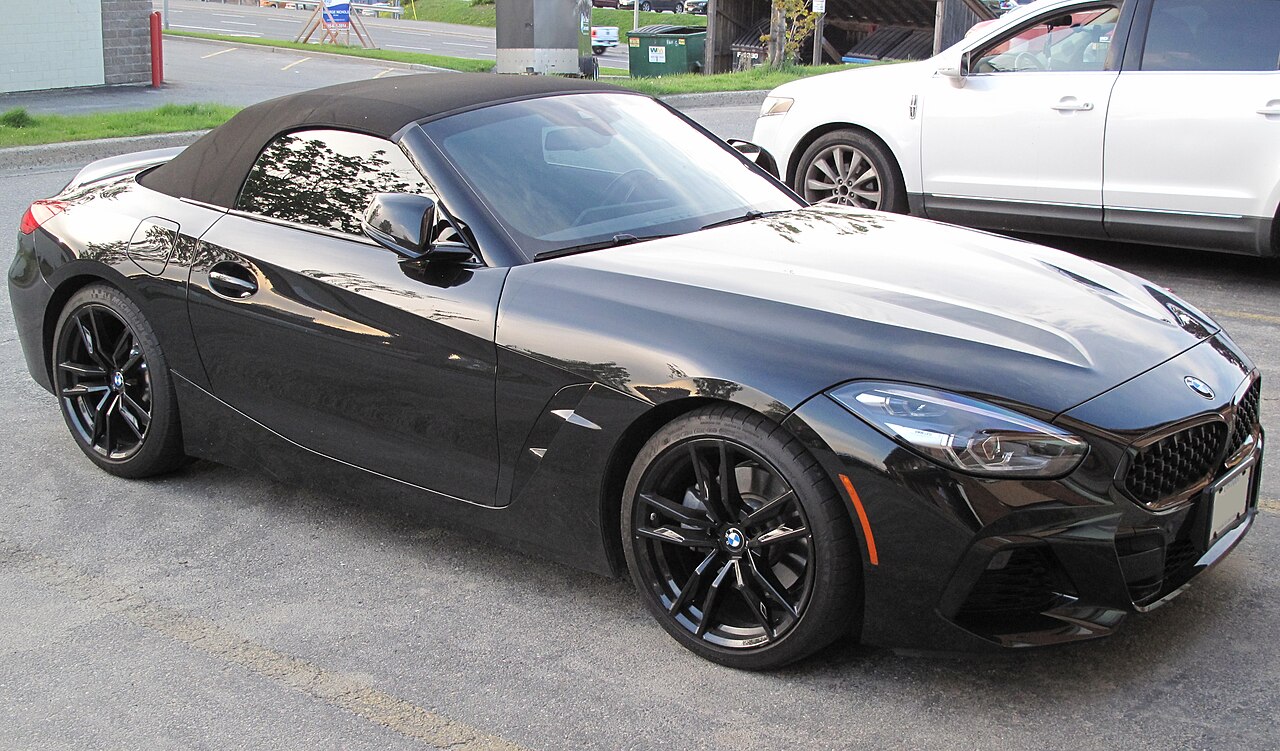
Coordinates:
582	169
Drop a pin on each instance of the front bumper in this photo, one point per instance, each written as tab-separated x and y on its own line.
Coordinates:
966	563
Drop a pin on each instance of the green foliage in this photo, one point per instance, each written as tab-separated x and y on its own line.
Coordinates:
793	22
464	64
170	118
756	79
17	118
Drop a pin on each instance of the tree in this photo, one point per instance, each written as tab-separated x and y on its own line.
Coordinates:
790	23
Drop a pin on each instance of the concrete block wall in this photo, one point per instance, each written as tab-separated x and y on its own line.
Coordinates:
126	41
51	44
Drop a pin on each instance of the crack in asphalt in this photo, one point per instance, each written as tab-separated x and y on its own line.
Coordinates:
335	689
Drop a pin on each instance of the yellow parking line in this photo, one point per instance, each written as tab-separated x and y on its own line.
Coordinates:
343	691
1240	314
295	62
383	73
219	52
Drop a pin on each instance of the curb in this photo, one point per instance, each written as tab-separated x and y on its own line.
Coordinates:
716	99
77	153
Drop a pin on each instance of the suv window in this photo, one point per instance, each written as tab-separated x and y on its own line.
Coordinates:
1240	35
1076	41
326	178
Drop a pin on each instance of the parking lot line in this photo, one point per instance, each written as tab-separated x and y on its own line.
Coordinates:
219	52
334	689
383	73
1246	316
295	62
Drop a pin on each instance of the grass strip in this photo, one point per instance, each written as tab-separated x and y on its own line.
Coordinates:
467	65
20	128
755	79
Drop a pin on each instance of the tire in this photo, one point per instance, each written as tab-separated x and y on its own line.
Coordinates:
646	7
875	181
118	401
599	50
678	9
772	576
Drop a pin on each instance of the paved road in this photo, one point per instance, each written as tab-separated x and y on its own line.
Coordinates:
217	609
405	34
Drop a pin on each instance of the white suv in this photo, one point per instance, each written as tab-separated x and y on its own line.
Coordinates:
1153	121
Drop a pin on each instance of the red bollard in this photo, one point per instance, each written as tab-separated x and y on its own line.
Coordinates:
157	52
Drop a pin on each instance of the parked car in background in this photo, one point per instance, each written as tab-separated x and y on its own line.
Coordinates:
604	3
696	7
673	6
1187	93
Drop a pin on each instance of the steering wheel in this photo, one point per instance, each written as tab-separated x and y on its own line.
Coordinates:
1026	61
623	188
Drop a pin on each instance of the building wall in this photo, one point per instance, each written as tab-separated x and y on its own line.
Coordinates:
54	44
126	40
51	44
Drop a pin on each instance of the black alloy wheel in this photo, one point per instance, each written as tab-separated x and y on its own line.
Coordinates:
737	541
849	168
113	385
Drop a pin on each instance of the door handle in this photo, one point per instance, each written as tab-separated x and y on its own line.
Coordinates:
1069	104
1269	111
232	280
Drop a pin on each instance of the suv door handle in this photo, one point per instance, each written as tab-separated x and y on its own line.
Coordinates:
232	280
1270	111
1069	104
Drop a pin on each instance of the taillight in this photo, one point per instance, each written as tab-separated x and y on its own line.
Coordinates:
40	212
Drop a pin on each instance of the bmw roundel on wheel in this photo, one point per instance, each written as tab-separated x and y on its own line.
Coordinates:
560	315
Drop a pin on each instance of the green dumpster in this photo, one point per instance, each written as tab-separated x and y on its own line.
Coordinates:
665	49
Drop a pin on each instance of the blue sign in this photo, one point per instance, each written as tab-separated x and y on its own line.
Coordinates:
336	13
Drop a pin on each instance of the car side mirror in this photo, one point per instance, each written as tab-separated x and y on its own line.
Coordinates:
955	69
756	154
403	223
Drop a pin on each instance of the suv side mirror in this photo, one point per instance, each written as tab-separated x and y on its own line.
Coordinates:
756	154
403	222
955	68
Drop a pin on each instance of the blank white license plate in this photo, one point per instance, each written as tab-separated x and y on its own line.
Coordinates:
1230	501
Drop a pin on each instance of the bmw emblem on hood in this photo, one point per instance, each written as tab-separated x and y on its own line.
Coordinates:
1198	386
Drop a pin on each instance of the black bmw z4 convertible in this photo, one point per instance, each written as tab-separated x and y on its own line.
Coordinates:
566	317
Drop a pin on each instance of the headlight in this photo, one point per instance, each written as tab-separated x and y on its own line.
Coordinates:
962	433
775	105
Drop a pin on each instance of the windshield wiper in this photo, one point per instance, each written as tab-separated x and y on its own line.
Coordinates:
752	214
615	241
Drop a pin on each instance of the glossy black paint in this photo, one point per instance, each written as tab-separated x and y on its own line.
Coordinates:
510	397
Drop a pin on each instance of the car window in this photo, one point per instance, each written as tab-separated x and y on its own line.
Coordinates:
563	171
326	178
1240	35
1075	41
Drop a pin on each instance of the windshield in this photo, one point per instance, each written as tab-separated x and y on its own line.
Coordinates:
574	170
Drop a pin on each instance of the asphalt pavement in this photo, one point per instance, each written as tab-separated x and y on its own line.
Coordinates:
404	34
218	609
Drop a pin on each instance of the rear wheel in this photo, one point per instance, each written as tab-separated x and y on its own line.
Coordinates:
738	541
113	384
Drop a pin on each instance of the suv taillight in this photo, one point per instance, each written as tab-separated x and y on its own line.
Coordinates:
40	212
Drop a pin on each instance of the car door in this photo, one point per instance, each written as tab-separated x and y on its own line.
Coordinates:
1016	141
329	340
1193	137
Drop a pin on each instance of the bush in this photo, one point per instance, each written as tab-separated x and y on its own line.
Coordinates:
17	118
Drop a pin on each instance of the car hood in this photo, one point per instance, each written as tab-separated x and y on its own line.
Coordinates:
794	303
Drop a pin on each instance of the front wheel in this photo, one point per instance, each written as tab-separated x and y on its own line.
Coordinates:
850	168
738	541
113	384
646	7
678	9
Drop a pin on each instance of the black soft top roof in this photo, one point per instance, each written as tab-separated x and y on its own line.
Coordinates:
213	168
